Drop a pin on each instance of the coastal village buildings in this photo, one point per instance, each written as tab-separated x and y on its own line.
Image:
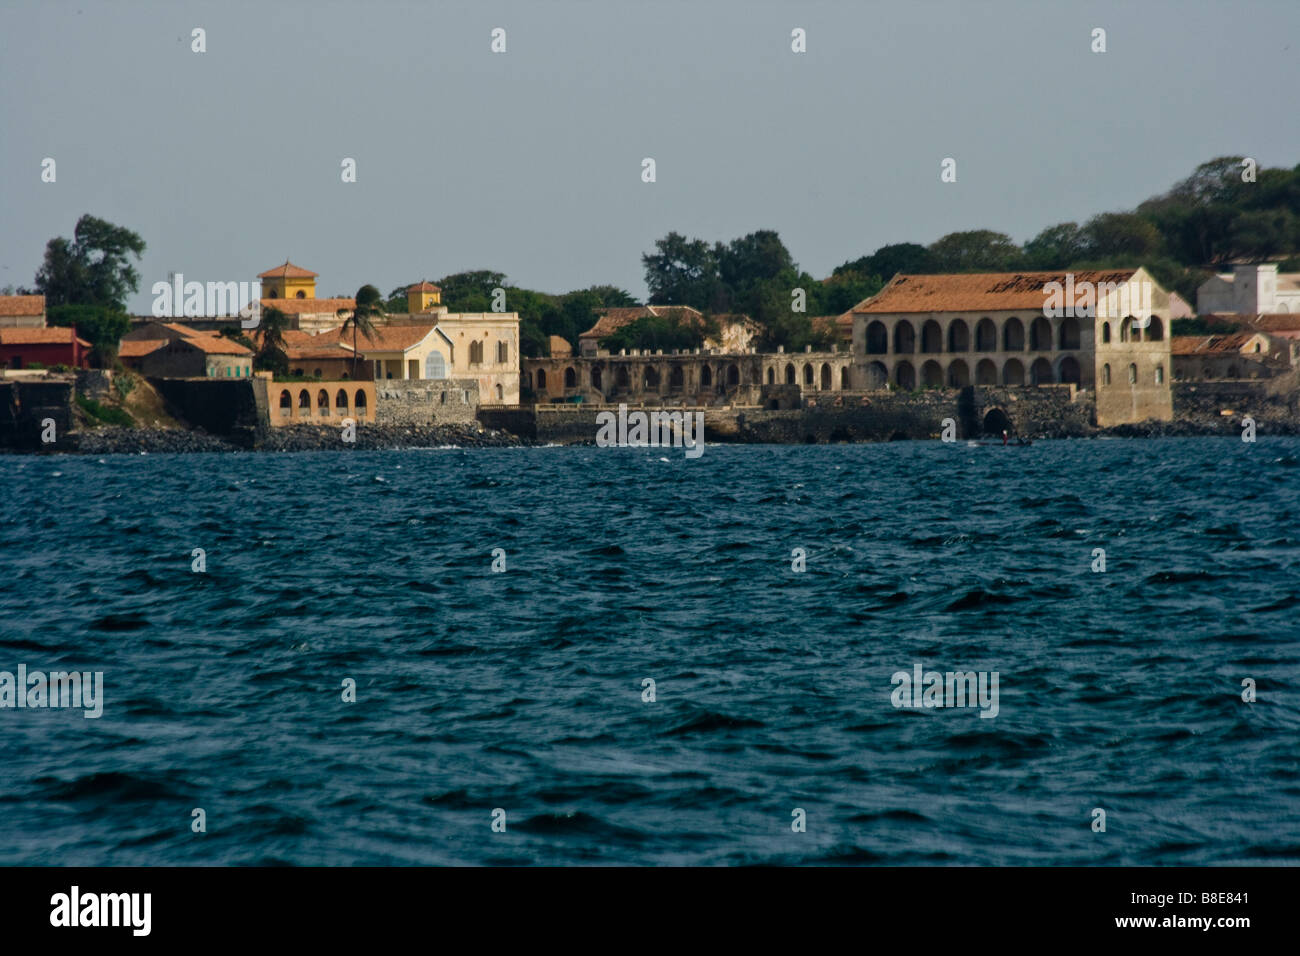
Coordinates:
292	290
1250	289
1109	336
198	356
1238	355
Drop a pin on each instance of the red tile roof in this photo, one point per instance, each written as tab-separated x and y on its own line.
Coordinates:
387	338
54	335
1203	344
425	286
214	345
138	348
611	320
309	306
287	271
1277	322
22	305
976	292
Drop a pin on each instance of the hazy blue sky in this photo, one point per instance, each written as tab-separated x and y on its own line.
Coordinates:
529	162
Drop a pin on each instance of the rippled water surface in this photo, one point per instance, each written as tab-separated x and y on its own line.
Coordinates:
523	691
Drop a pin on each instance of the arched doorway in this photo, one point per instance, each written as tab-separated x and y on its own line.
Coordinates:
931	374
877	376
996	421
958	336
1013	373
986	373
958	374
1040	373
905	376
877	338
904	338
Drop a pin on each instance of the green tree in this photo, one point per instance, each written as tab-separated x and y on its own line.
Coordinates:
271	354
94	268
907	258
976	250
1122	235
681	272
1056	247
101	326
362	319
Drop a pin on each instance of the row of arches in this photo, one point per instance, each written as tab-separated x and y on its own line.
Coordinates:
823	378
987	337
355	404
650	377
959	374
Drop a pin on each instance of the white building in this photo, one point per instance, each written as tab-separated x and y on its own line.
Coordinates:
1252	289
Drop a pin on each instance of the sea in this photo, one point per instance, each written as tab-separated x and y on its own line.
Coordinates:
622	656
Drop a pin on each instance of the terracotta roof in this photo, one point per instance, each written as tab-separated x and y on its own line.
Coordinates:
287	271
22	305
187	330
54	335
976	292
1203	344
560	347
424	286
138	348
611	320
388	338
838	325
1277	322
214	345
309	306
325	350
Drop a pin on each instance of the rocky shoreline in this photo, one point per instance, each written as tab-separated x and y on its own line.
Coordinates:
108	440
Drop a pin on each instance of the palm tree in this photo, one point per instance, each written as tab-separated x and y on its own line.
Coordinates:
271	352
369	307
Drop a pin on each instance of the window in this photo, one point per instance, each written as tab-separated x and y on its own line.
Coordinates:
476	353
503	353
1160	375
1105	331
1132	373
1105	374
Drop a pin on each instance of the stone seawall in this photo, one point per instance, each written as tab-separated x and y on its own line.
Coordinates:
24	405
1054	411
431	401
235	409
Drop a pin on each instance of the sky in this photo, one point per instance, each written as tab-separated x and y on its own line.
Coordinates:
529	162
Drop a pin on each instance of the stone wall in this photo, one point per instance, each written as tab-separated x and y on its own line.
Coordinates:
93	382
25	404
227	407
425	401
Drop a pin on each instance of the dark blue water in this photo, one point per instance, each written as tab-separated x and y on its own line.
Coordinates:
523	690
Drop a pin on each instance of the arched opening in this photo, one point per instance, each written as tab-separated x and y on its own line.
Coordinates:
877	338
1160	375
286	403
931	337
733	375
844	377
789	373
958	374
595	377
304	402
1069	334
359	404
1126	329
476	353
1040	335
341	400
931	374
501	393
877	376
1155	331
1068	372
958	336
996	421
986	372
1232	373
651	377
503	352
1105	333
541	379
1132	373
570	377
986	336
1013	335
301	294
676	378
706	377
1105	374
905	376
826	377
435	366
322	402
1040	373
904	338
1013	373
807	374
621	379
771	375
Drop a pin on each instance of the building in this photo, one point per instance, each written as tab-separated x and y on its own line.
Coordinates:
1100	332
27	347
1250	289
198	356
323	356
609	321
292	290
559	347
1237	355
694	378
22	311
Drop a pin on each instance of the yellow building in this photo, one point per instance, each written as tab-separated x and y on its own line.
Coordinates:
292	290
288	282
424	297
